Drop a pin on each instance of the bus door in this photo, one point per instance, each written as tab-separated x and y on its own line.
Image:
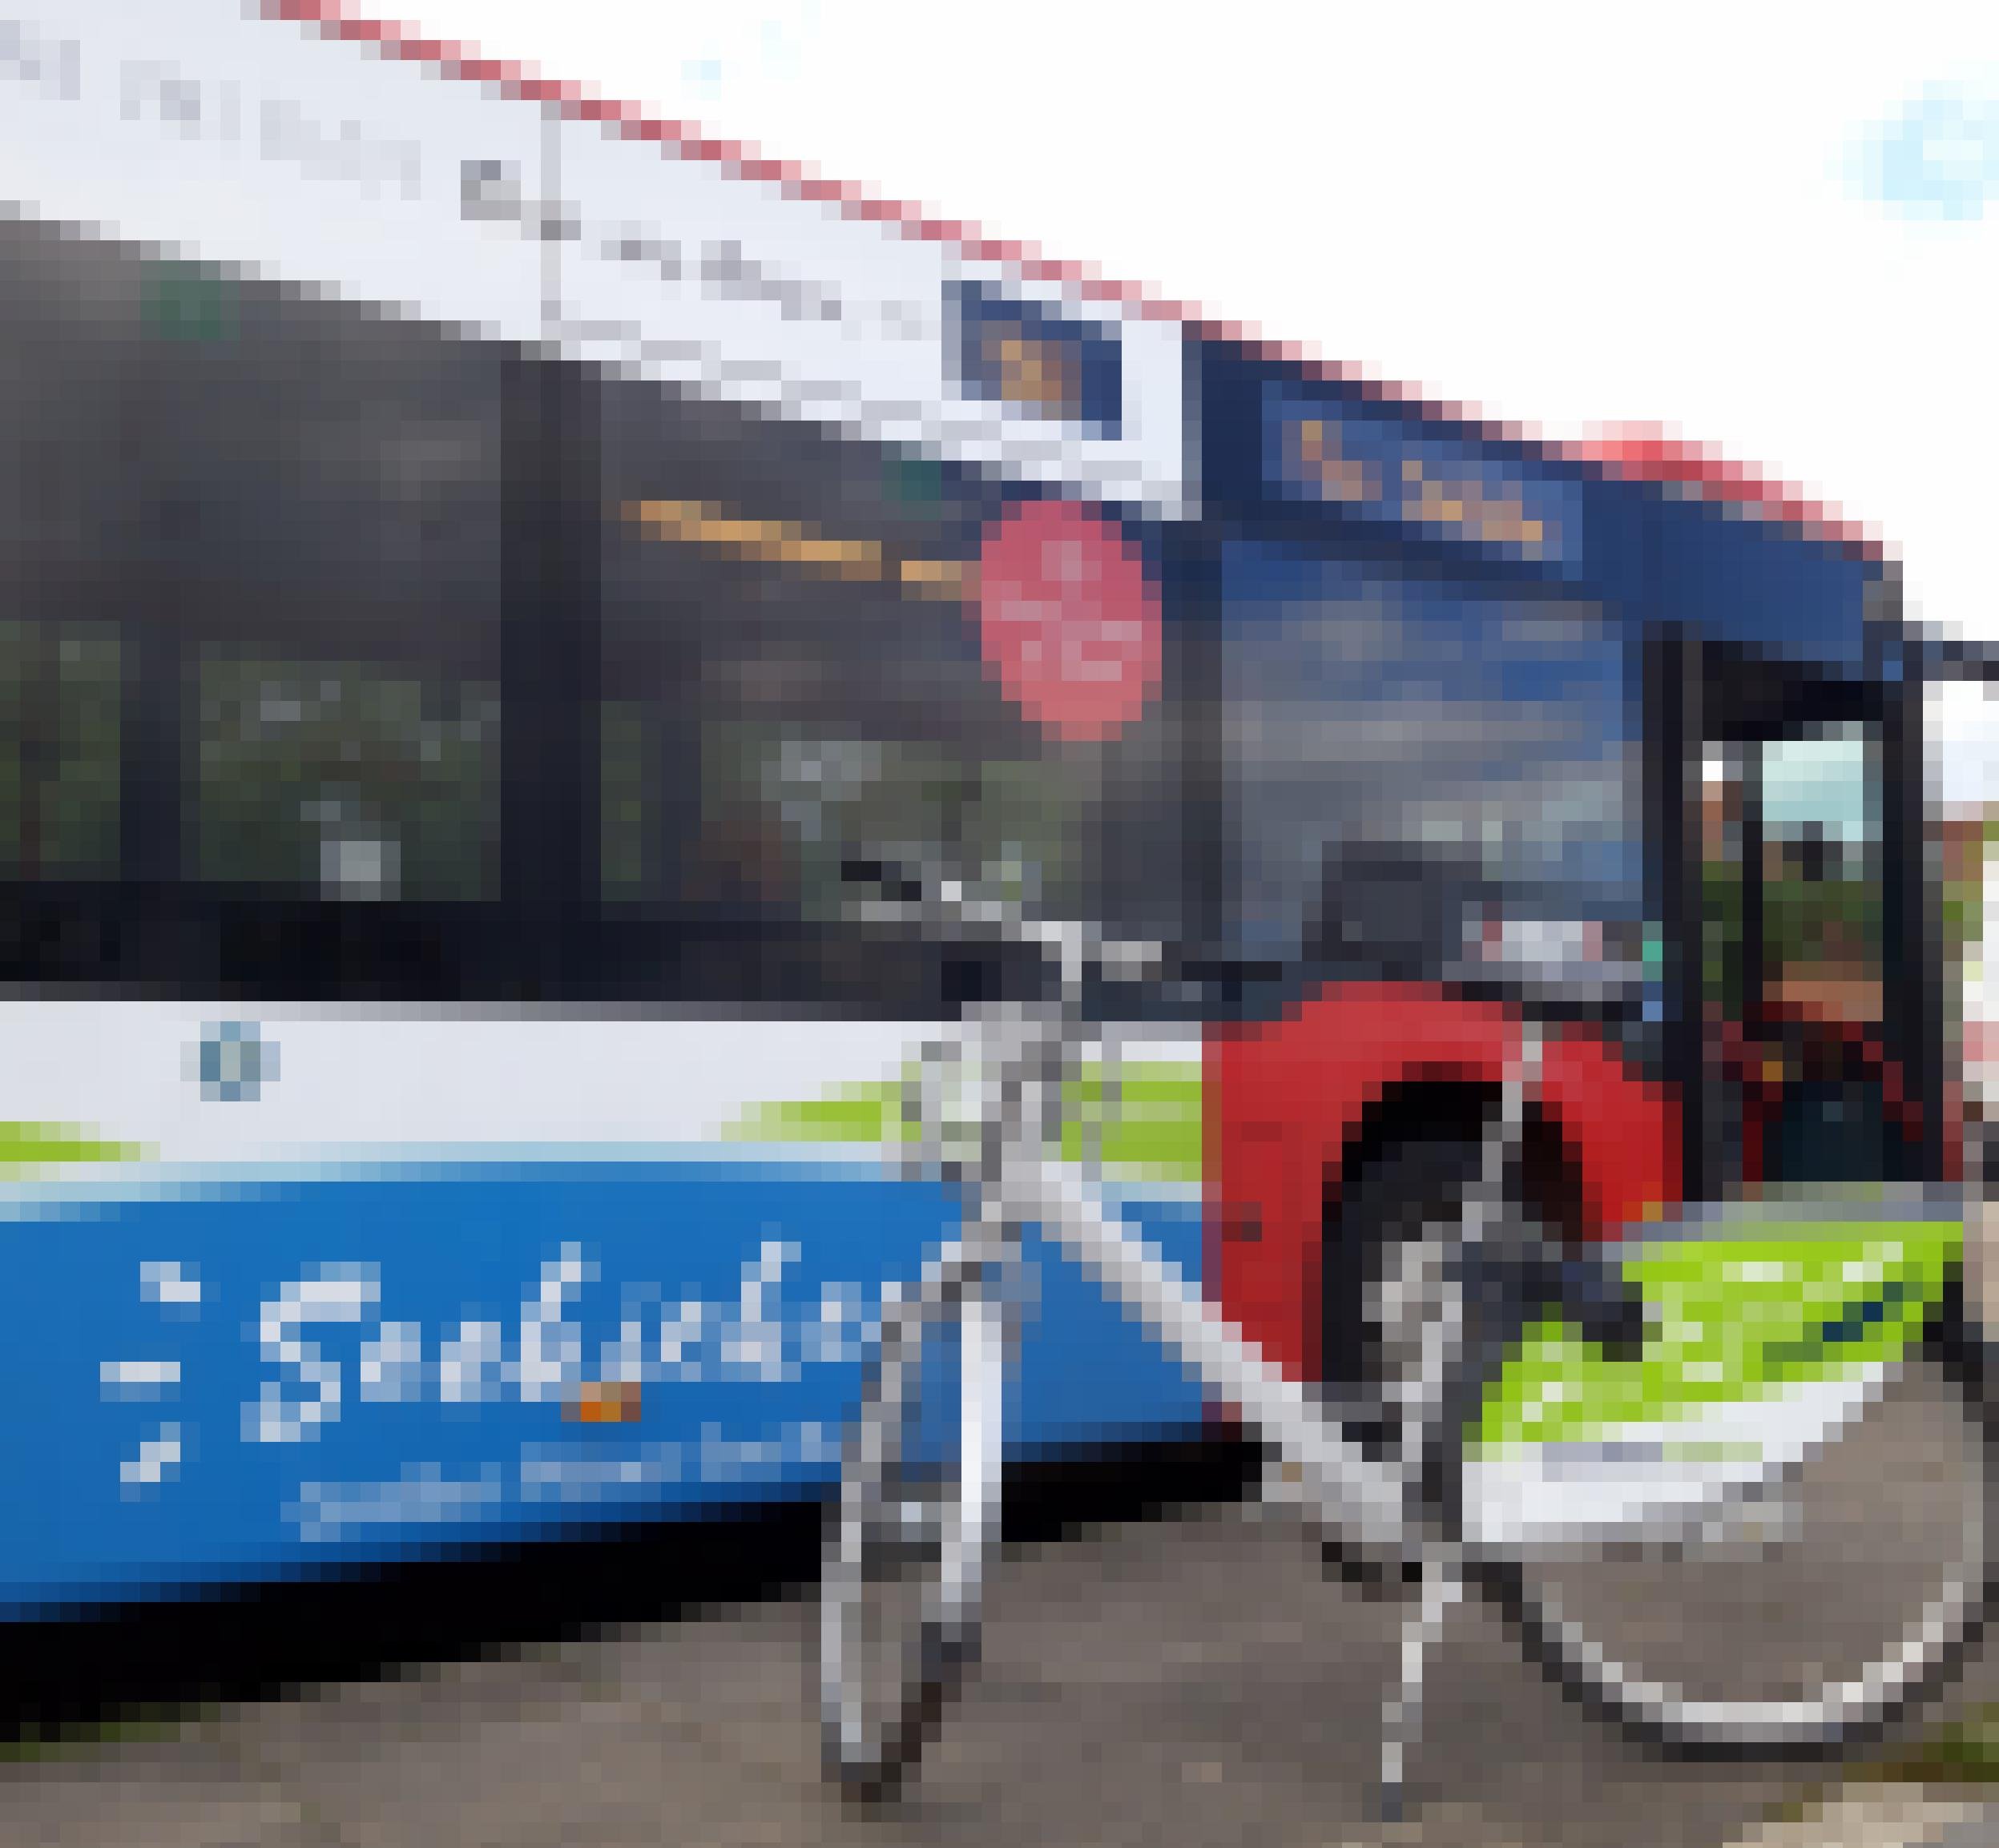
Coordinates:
1795	1020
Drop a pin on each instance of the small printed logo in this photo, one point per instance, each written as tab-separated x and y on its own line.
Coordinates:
235	1062
1024	355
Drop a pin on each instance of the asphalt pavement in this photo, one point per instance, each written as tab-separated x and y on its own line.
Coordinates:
1196	1680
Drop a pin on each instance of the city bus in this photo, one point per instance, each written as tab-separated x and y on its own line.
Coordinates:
478	565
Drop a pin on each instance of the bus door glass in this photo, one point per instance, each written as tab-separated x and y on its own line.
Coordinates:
1791	905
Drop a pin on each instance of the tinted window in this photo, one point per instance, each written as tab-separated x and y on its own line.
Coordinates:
330	522
250	621
801	666
299	598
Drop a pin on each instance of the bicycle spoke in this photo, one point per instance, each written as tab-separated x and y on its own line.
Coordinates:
1795	1615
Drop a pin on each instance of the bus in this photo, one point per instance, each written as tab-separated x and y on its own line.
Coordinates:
479	562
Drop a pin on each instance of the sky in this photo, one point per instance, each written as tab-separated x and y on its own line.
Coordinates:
1770	225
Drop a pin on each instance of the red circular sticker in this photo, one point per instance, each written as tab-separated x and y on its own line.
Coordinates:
1069	622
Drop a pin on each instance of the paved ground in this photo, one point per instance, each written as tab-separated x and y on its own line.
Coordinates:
1194	1681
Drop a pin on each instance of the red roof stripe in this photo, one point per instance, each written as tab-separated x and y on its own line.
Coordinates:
1649	454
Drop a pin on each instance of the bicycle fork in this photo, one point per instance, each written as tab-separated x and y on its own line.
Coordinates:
1440	1576
1358	1495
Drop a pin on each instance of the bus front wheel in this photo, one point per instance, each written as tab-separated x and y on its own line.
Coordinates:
1391	1242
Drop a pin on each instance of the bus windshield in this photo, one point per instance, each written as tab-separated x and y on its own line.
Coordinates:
1377	716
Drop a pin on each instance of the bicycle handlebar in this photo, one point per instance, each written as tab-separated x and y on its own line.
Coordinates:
944	902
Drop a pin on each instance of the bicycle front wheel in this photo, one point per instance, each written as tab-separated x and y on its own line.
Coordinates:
1803	1612
918	1506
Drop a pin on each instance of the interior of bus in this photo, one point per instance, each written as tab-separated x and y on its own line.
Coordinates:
1789	804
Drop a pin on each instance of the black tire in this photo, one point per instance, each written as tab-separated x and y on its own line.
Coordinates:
1415	1191
1412	1185
898	1631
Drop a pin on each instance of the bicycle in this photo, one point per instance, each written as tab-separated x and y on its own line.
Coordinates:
1548	1425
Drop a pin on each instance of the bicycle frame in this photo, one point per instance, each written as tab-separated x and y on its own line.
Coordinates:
1023	1060
1733	1451
1351	1493
1024	1056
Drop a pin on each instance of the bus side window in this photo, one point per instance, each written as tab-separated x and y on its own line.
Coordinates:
794	672
326	643
345	780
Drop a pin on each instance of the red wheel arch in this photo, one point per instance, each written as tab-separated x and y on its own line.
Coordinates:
1282	1098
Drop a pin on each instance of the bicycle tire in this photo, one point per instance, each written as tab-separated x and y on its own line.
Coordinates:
1407	1203
1409	1197
916	1511
1949	1367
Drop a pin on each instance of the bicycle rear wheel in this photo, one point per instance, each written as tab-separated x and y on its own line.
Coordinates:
1805	1613
918	1505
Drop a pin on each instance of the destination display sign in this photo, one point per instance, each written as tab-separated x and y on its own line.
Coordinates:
1378	468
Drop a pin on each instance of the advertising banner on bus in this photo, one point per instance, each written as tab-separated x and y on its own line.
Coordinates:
249	1379
214	132
311	1288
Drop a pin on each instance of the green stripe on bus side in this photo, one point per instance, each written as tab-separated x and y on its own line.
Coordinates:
1154	1132
1738	1317
44	1144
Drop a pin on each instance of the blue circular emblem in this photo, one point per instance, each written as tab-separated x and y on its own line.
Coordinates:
236	1062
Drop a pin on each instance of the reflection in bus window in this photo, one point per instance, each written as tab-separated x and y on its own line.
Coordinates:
795	676
352	781
781	812
60	690
1378	717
